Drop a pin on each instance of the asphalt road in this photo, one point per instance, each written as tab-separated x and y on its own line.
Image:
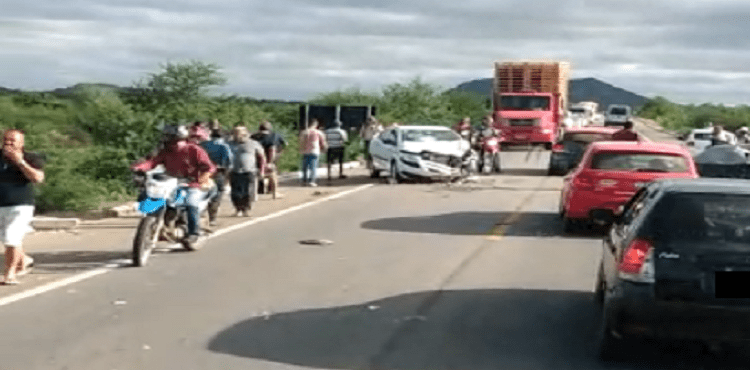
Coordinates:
417	276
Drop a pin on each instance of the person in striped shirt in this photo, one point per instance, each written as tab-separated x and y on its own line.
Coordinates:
336	138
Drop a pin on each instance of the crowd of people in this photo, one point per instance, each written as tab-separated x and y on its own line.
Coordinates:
209	157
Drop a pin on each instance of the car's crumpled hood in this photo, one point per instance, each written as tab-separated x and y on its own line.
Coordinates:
457	148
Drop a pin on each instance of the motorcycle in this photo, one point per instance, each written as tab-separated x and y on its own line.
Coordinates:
490	159
163	204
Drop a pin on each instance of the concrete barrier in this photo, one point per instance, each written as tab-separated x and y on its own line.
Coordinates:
54	223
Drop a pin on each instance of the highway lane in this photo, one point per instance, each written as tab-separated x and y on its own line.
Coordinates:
418	276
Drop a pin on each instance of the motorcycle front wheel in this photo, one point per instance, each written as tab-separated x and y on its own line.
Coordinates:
145	240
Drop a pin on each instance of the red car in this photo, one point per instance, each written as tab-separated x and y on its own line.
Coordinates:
610	173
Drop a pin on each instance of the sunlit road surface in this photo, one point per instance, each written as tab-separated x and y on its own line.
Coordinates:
415	276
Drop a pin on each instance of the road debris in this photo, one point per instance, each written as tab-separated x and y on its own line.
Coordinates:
372	307
120	302
146	347
316	242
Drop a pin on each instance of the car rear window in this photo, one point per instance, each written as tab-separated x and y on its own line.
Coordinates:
585	137
641	162
702	136
703	217
618	111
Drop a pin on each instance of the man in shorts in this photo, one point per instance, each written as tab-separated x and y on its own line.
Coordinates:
19	170
336	139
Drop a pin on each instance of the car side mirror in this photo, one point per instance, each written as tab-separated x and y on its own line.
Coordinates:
690	143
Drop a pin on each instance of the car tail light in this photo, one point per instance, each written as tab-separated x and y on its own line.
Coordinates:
558	148
637	262
583	182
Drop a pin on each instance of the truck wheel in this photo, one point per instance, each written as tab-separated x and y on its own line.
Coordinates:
547	146
571	225
374	174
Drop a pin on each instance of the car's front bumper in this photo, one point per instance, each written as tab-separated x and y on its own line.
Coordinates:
429	169
635	312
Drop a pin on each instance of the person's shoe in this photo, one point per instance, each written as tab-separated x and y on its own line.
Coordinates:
312	184
237	213
28	265
212	223
245	213
192	238
278	196
343	176
10	281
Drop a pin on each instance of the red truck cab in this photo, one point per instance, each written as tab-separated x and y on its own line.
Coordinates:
528	118
529	100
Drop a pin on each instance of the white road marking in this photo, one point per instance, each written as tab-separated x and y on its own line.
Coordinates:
121	263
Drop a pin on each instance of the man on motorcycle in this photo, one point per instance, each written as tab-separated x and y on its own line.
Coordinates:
187	160
487	130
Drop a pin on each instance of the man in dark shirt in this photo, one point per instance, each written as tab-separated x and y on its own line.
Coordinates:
18	171
627	133
272	144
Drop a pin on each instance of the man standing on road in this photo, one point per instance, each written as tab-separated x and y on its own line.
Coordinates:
249	164
627	133
184	159
336	139
371	129
311	142
18	171
273	144
220	153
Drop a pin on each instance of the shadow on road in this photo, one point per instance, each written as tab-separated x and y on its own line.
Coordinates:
459	329
525	171
530	224
72	261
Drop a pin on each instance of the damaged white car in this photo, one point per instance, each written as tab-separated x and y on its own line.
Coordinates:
419	151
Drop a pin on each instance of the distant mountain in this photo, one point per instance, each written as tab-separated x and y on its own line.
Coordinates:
581	89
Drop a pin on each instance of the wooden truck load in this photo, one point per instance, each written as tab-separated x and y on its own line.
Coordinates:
529	99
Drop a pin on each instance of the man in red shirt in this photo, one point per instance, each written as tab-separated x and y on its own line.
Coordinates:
187	160
627	133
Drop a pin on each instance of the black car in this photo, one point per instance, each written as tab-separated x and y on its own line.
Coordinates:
567	152
676	264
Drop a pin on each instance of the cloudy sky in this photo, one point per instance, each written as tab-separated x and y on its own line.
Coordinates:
686	50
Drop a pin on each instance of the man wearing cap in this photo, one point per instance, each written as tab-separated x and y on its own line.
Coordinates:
336	139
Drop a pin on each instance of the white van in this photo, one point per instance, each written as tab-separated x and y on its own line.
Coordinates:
617	115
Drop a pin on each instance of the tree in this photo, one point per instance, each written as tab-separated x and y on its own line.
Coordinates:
176	85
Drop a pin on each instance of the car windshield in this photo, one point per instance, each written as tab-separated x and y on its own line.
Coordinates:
430	135
577	110
524	102
618	111
702	217
585	137
641	162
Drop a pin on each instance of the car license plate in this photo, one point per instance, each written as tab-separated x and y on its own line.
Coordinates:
521	137
732	284
607	182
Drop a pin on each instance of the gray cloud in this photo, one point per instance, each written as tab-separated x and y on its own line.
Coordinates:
688	51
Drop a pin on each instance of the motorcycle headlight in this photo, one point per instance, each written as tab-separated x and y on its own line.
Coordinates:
156	189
